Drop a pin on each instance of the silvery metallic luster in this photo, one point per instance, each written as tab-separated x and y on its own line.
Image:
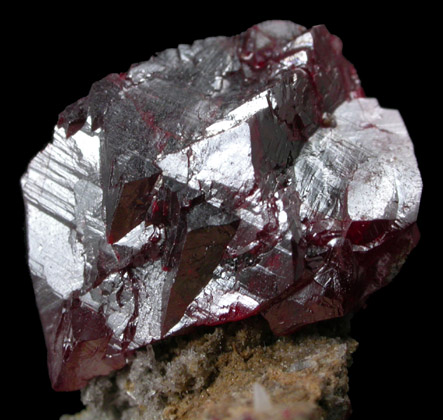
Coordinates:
216	181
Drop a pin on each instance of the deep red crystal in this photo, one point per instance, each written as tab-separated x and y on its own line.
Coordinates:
211	183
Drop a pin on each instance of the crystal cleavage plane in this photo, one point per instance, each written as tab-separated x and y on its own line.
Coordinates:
216	181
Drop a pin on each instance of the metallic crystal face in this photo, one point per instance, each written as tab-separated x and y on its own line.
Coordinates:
215	181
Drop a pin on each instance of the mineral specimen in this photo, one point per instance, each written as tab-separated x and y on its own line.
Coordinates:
233	177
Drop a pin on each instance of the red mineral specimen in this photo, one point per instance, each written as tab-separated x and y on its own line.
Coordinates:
215	181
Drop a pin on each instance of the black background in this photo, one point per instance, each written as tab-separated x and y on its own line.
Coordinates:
54	55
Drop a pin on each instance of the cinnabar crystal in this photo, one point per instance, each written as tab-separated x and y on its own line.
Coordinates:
215	181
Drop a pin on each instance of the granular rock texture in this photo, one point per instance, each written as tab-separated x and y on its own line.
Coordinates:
216	181
233	372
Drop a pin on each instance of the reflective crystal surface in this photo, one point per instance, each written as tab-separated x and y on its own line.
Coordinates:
218	180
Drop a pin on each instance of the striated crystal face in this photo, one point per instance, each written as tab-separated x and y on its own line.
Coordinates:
213	182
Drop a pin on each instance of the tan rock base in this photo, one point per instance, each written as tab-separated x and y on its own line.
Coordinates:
238	371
